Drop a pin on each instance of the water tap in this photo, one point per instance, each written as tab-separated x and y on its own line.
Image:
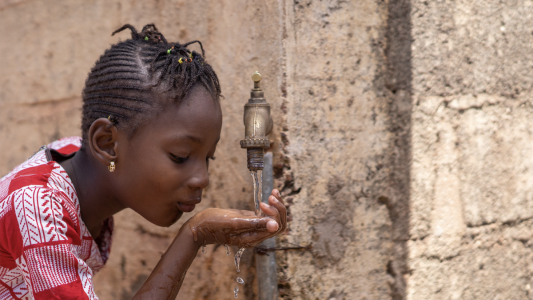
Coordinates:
257	125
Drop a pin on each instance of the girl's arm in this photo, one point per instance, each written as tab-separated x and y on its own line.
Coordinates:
167	277
227	226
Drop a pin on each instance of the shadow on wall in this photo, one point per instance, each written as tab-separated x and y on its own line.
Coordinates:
398	82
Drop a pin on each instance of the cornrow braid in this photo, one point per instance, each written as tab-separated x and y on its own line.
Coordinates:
122	84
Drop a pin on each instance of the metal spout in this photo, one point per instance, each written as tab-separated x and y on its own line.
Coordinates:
257	125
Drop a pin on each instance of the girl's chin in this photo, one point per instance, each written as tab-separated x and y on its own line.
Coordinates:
167	220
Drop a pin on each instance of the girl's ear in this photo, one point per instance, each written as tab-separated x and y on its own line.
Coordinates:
103	140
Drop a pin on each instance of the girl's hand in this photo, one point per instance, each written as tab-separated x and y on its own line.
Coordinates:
239	227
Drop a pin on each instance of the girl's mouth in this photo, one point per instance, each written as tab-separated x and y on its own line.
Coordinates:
187	206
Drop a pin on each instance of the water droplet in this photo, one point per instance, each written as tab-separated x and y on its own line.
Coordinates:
203	249
227	249
240	280
238	258
236	291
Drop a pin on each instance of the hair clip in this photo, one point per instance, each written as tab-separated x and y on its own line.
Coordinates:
146	38
109	117
180	60
168	51
190	55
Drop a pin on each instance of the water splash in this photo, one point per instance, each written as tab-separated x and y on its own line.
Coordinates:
236	292
240	280
227	249
257	177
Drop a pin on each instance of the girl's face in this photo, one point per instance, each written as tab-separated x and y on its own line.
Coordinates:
162	169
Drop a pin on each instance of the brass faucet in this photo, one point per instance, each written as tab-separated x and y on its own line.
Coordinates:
257	125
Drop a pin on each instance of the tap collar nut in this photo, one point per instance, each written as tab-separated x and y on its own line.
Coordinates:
255	143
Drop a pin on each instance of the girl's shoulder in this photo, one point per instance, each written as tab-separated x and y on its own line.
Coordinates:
41	225
40	168
38	189
66	145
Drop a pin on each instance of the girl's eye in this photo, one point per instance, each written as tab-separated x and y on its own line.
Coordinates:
178	159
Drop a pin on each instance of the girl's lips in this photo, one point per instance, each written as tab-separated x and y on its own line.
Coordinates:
186	207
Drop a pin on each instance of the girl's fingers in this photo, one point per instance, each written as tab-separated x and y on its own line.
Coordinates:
247	213
249	239
269	210
273	212
275	202
275	193
250	223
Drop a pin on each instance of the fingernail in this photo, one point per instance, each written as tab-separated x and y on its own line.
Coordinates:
273	224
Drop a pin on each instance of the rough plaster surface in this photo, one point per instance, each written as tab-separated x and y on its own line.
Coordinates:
338	147
402	137
471	200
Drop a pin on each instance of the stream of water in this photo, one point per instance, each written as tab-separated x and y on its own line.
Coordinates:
257	177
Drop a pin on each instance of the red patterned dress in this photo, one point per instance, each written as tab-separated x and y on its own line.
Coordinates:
46	251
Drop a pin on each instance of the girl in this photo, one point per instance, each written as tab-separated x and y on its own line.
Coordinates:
151	123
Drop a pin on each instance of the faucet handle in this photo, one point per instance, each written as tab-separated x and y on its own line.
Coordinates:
256	77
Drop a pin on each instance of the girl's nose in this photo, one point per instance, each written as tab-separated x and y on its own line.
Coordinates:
200	180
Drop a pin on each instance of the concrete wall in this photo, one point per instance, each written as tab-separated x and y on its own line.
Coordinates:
338	147
471	188
401	141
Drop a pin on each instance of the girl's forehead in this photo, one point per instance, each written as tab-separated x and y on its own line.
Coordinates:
197	114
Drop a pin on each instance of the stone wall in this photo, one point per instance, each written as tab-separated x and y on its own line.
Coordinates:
401	136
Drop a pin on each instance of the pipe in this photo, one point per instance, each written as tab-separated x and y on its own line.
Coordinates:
267	278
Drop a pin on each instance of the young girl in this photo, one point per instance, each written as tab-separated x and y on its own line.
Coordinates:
151	123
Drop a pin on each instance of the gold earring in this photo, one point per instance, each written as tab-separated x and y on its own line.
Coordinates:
111	167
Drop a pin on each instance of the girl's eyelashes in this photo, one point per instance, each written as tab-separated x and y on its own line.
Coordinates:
207	160
178	159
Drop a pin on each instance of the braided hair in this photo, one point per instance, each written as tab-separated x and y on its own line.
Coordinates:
124	82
